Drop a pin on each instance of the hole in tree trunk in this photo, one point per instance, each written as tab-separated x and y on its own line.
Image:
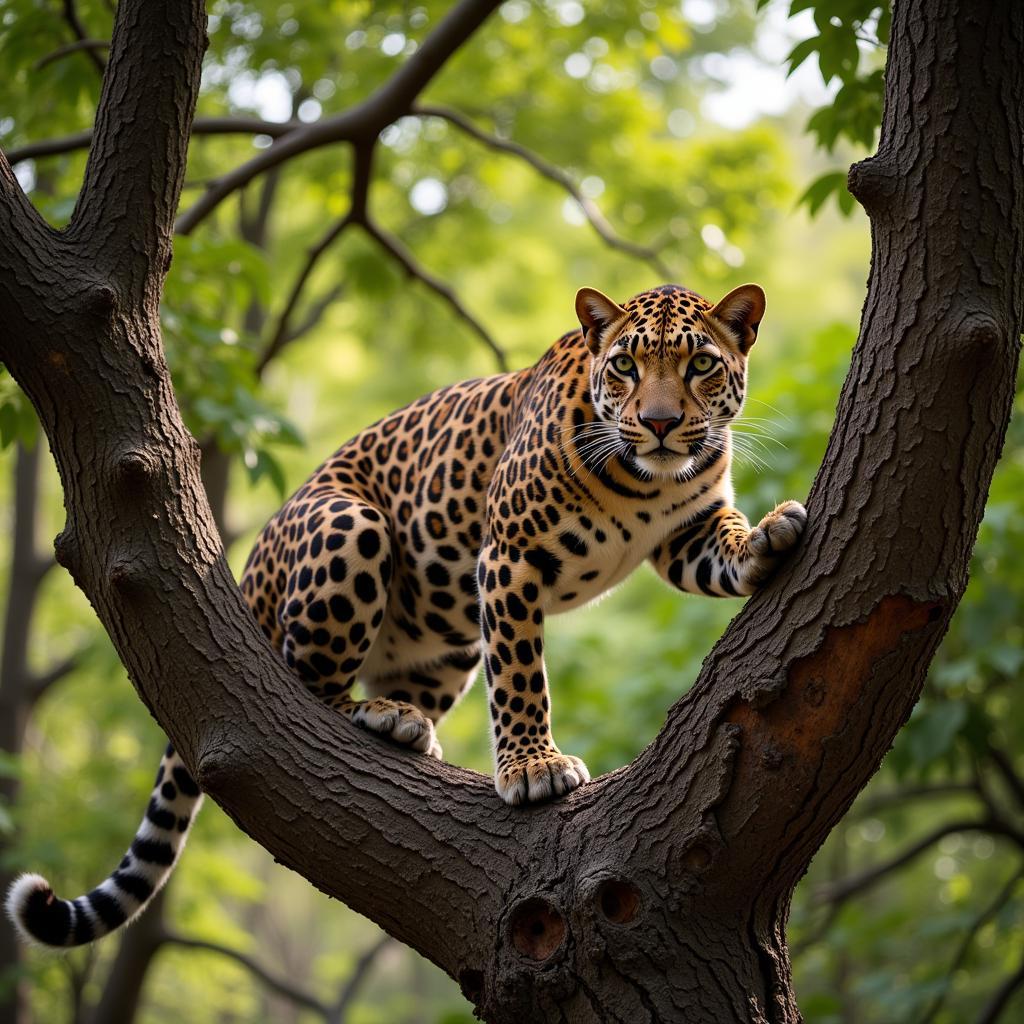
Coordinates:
619	901
537	928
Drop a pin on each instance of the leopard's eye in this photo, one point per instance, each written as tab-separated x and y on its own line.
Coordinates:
624	363
702	363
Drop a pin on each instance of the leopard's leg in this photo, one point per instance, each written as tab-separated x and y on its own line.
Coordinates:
528	765
333	607
435	690
722	556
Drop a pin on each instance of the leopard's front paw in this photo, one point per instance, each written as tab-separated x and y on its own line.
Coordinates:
776	534
535	777
400	722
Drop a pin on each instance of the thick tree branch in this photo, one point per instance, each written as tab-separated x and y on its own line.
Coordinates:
662	889
363	122
589	208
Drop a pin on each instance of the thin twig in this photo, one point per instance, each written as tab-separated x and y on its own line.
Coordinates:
315	312
75	23
68	48
40	684
995	1006
398	251
349	991
272	981
894	798
1005	767
548	170
282	333
201	126
840	891
979	922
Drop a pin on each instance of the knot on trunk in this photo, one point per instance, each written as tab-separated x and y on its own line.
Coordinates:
979	334
65	550
872	183
135	467
128	576
101	300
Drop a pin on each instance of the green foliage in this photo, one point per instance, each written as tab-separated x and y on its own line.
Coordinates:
849	46
213	367
18	422
614	97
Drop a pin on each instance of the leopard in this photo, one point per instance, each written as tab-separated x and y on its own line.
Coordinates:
443	536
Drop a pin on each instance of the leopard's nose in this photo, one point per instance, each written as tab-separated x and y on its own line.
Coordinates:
660	427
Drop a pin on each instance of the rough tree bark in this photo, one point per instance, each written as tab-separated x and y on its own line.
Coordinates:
660	891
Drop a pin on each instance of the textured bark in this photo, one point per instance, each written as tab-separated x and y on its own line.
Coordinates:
659	892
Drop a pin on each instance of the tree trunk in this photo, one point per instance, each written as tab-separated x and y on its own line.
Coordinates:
660	891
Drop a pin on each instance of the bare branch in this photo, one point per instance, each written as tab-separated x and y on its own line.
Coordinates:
1004	765
548	170
272	981
879	802
338	1012
979	922
363	122
315	312
395	248
995	1006
75	23
282	332
202	126
840	891
69	48
40	684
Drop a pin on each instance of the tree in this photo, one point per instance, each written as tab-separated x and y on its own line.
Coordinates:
675	904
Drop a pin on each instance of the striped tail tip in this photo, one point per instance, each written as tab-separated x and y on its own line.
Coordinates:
39	917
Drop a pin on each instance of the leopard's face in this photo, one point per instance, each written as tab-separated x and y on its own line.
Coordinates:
669	371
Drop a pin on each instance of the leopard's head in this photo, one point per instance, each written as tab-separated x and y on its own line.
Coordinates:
669	370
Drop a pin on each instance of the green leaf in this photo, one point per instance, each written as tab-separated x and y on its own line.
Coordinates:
801	52
821	188
261	464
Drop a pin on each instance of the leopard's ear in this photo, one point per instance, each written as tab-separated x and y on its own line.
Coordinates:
597	313
741	311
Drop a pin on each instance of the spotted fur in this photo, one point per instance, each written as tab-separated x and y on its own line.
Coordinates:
443	535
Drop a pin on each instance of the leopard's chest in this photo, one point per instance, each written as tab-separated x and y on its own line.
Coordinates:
591	554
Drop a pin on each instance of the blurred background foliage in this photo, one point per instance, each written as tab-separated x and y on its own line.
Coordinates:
678	123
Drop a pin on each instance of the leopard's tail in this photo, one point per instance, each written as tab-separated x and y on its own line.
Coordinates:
41	917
